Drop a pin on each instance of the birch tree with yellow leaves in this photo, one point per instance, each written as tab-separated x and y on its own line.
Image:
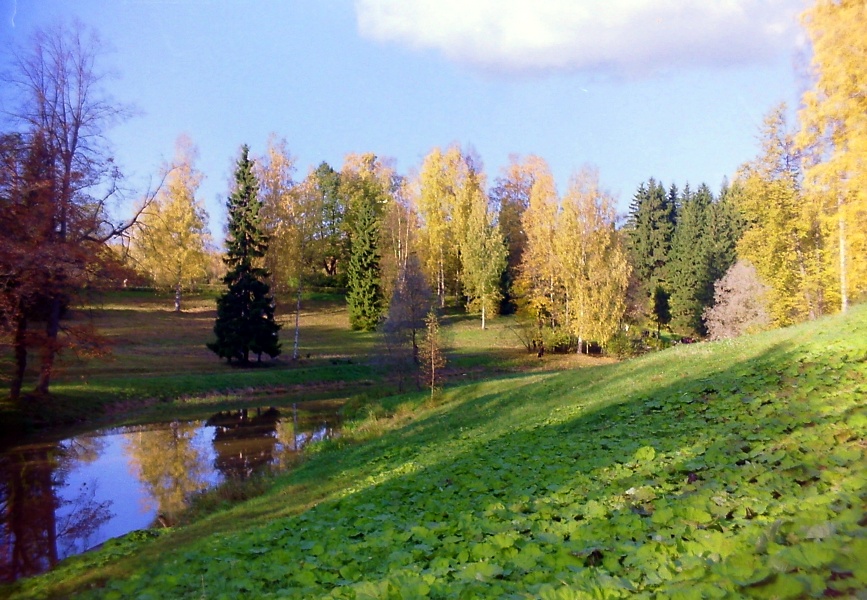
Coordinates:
511	195
592	266
483	258
445	184
171	240
538	279
833	135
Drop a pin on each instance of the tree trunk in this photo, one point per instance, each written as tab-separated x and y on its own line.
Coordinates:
178	298
483	316
441	282
20	358
297	321
841	230
49	349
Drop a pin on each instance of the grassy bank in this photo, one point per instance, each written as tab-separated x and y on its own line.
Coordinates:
732	469
157	366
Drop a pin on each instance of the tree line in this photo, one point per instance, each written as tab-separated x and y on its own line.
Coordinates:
783	242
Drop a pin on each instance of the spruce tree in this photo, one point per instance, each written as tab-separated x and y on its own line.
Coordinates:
688	269
245	312
649	232
364	294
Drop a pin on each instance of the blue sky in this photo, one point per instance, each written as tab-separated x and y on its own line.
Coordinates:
670	89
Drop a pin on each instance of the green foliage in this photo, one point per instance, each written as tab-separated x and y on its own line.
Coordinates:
732	469
661	308
649	230
483	259
245	312
688	268
623	345
364	294
332	243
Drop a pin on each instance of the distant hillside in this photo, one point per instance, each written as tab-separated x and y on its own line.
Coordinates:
717	470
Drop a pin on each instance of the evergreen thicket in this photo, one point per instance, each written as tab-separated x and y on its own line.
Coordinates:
680	244
245	312
364	289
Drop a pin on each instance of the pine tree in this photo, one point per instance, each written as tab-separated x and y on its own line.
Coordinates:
661	309
245	312
364	295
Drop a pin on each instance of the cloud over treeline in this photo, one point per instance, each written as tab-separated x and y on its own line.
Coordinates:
620	36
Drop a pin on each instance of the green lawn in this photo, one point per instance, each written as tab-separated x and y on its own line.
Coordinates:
720	470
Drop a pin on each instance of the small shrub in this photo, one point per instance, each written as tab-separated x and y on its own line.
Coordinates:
232	491
623	345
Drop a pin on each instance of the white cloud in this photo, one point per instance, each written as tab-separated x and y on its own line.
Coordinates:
632	36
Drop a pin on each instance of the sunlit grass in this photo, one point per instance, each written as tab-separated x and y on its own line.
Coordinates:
717	446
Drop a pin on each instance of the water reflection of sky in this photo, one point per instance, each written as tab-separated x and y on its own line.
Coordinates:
62	499
113	477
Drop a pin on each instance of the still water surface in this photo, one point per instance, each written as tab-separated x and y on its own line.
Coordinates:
64	498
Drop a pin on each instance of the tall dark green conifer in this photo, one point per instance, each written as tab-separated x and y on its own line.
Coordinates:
725	226
364	294
649	232
245	312
688	272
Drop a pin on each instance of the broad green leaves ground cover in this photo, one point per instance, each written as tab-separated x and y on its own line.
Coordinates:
724	470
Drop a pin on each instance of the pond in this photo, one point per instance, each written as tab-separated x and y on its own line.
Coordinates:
63	498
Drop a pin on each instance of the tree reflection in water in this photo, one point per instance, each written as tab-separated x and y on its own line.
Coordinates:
170	465
32	535
244	441
53	496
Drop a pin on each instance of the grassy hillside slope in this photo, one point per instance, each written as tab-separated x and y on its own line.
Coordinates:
731	469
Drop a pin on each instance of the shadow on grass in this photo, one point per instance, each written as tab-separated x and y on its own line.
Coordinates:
659	475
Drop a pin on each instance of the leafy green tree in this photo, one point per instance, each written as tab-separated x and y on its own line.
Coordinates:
483	258
245	312
332	243
364	293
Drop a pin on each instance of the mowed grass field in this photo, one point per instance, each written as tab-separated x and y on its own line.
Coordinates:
156	364
732	469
